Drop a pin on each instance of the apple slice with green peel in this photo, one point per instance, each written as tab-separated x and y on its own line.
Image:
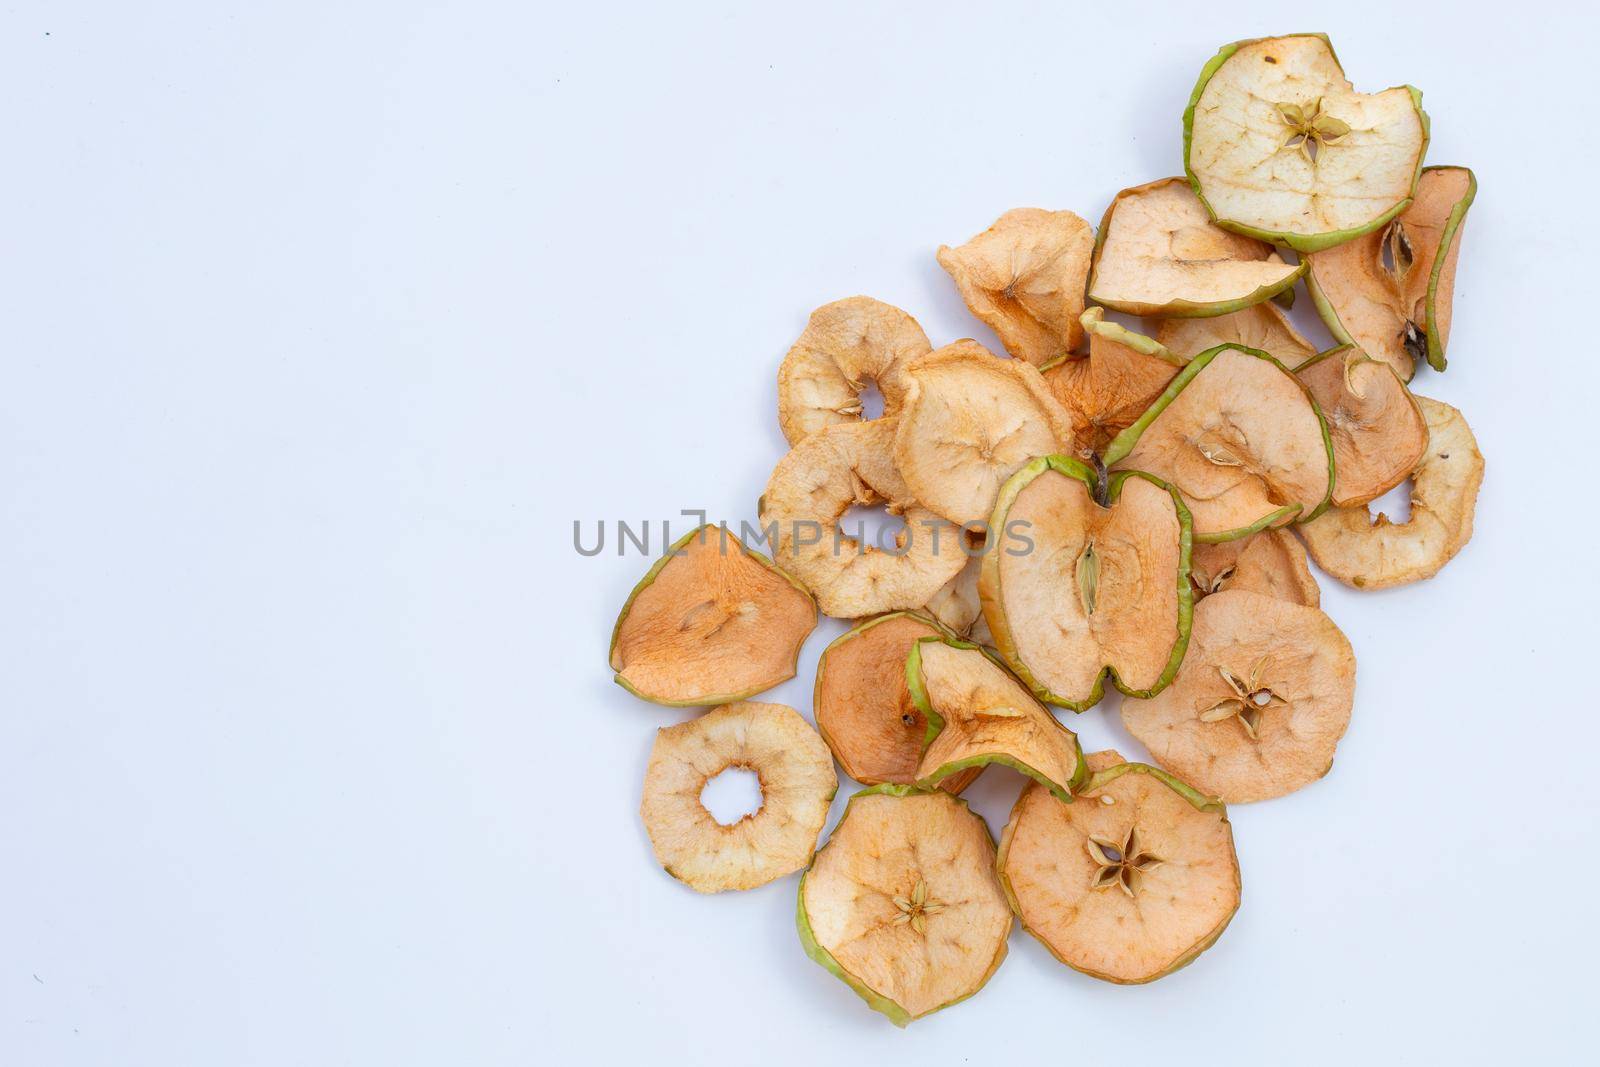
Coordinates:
1107	390
970	419
1024	278
1278	146
1129	884
811	489
902	904
710	623
1100	586
847	344
1240	438
1390	292
1159	253
795	771
1262	327
1272	562
1370	553
978	714
1259	704
1377	430
863	707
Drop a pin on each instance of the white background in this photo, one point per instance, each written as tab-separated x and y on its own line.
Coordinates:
323	322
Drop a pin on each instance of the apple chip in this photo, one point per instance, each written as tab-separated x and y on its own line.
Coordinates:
864	709
797	786
956	605
812	488
969	420
1375	553
711	622
978	714
1390	291
1024	278
1259	704
1130	883
1100	586
1262	327
1159	253
1279	147
1272	562
1107	390
1377	430
845	345
902	903
1240	438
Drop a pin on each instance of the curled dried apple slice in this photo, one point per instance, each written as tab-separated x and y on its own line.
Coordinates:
1272	562
810	491
1259	704
1159	253
711	622
1107	390
1240	438
1278	146
902	903
863	707
846	344
1129	884
1262	327
795	771
1095	583
1370	553
1390	292
978	714
969	420
1024	278
1377	430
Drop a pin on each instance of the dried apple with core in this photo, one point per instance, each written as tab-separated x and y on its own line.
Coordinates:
1101	587
1370	553
846	345
978	714
1390	292
1259	704
1130	883
902	903
1159	253
711	622
797	780
1272	562
1240	438
1024	278
1278	146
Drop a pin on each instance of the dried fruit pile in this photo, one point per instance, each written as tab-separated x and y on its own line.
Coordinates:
1110	502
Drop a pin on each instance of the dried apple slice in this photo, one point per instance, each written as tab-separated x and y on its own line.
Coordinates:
1107	390
902	903
1159	253
956	605
1372	553
795	771
969	420
1272	562
1262	327
1279	147
1099	587
813	487
710	623
1390	292
1024	278
978	714
1377	430
1259	704
1129	884
845	345
1240	438
863	707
